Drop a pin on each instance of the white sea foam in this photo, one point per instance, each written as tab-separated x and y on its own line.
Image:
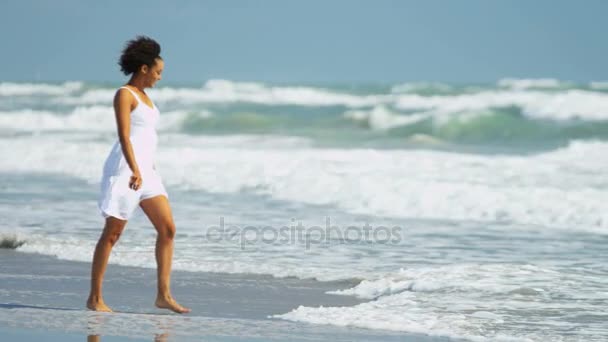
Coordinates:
480	302
94	118
532	83
83	118
29	89
416	184
417	86
380	118
562	188
227	91
480	278
402	315
566	105
222	91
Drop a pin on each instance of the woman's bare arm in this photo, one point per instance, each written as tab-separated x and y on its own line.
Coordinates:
123	103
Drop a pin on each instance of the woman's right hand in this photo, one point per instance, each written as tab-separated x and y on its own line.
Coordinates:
135	181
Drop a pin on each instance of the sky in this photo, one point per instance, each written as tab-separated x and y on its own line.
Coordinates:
309	41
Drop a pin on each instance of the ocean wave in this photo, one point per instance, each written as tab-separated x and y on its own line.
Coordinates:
424	88
486	278
491	126
498	125
515	113
85	119
31	89
93	118
560	189
567	105
533	83
223	91
381	118
479	302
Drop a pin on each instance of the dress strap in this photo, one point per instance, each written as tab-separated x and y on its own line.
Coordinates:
132	92
138	99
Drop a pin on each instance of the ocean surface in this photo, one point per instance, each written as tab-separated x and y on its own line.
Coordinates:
469	211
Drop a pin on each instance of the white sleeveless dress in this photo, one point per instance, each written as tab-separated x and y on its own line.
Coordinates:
116	198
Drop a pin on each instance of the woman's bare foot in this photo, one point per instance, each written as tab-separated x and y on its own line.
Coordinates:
97	304
168	302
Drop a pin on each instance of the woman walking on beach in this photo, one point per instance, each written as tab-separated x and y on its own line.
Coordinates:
129	175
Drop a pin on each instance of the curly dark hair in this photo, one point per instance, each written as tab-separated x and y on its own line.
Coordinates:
137	52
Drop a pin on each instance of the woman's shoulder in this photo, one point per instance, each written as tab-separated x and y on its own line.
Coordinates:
124	89
124	94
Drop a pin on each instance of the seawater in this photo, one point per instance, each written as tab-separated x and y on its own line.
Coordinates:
473	211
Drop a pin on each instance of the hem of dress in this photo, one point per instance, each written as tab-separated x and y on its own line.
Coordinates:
142	198
106	214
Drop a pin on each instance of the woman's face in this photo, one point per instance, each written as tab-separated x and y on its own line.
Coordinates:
153	74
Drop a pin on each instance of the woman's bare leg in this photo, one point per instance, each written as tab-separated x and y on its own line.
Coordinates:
159	212
109	237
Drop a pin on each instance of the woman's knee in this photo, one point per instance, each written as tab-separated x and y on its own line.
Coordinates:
112	232
114	236
166	230
111	236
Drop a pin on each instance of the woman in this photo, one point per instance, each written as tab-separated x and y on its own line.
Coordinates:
129	176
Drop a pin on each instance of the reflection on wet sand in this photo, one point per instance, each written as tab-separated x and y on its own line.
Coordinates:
157	338
98	324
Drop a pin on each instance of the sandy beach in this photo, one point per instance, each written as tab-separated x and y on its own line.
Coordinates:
42	297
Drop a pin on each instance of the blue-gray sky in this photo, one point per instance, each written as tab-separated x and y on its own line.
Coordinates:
336	41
